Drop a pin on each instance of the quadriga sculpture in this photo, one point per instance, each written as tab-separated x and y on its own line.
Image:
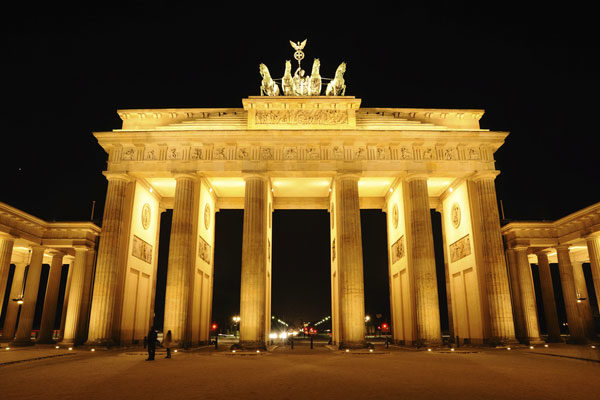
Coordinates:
314	85
337	87
268	86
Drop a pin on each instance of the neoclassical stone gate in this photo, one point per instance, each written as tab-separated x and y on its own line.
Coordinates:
305	152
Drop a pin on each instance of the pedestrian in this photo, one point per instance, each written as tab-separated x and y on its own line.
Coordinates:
167	344
152	337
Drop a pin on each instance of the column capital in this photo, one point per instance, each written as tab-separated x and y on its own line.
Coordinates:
483	175
347	176
117	176
592	235
412	176
562	248
255	175
185	175
7	236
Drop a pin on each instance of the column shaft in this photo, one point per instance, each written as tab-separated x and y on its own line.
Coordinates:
50	300
254	264
593	246
576	328
350	263
583	299
109	265
548	298
528	304
422	257
63	315
6	248
32	285
12	309
515	289
496	277
181	259
84	310
75	297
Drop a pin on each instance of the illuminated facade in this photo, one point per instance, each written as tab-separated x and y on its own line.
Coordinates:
312	152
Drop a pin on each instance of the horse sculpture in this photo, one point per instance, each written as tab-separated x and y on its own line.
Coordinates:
337	87
287	83
268	86
314	83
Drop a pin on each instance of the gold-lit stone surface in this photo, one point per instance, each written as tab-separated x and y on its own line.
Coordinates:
6	249
548	298
528	304
50	300
12	309
75	299
23	335
577	332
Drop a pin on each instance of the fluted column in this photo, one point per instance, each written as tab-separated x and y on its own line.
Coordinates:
110	260
63	316
75	297
254	264
593	246
12	309
515	290
583	299
422	258
576	327
496	277
6	248
32	285
181	258
528	303
350	263
51	299
84	310
548	297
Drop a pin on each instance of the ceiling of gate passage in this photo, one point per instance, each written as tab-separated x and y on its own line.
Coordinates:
291	187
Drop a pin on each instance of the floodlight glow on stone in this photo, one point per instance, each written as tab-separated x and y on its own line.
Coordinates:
57	347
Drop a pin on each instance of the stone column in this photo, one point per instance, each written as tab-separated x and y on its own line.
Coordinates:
63	316
32	285
583	299
496	277
50	300
84	311
181	259
528	303
576	327
254	264
593	246
6	248
109	263
515	290
548	298
422	258
12	310
350	263
75	297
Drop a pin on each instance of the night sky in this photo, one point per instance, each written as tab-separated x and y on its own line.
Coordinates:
65	72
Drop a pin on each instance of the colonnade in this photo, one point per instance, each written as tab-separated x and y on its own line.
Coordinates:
22	300
575	294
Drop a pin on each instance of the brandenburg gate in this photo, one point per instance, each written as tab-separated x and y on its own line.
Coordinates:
297	149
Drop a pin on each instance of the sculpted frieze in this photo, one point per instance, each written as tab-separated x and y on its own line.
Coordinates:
383	153
204	250
473	154
405	153
450	153
220	153
290	153
301	117
151	155
243	153
398	250
360	153
313	153
196	153
173	153
266	153
428	153
460	249
128	155
141	249
337	152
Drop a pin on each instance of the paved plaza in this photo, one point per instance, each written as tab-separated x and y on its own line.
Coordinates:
467	373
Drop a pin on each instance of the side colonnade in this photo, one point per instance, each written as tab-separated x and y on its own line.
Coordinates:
27	242
569	242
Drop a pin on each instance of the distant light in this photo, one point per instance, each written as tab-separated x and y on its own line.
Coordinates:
452	349
283	335
272	336
347	350
93	350
210	190
451	190
593	347
330	190
391	190
545	345
7	348
150	190
70	348
370	350
579	301
272	190
233	351
531	347
57	347
258	351
19	301
428	349
508	348
175	351
367	318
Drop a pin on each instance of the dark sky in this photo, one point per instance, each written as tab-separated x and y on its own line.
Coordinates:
65	71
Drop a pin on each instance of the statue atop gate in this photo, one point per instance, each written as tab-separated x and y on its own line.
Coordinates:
301	84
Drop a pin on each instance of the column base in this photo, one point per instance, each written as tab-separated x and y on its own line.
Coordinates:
22	343
533	341
249	345
501	341
101	343
363	344
428	343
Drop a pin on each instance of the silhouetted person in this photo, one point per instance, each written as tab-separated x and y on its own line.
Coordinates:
167	344
152	337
